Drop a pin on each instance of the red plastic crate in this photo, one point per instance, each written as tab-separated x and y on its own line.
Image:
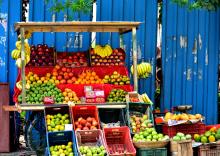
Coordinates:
119	142
197	128
84	112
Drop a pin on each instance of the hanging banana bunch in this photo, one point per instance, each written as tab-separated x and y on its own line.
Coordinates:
144	70
16	53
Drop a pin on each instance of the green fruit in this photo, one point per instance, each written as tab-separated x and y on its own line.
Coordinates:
183	138
204	139
176	138
207	133
180	134
217	136
188	137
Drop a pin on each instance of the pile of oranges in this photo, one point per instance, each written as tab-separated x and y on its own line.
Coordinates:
70	96
89	77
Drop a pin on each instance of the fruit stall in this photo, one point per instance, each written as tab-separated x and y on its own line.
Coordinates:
90	107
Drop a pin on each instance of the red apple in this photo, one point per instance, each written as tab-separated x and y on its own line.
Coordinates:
93	128
89	119
70	74
63	69
85	128
63	81
82	122
79	126
68	70
88	124
76	123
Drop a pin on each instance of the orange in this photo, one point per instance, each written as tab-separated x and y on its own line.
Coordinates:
64	93
42	78
91	78
76	82
66	98
37	78
93	74
54	77
70	95
87	78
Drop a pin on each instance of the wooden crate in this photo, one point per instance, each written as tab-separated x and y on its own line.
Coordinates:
181	148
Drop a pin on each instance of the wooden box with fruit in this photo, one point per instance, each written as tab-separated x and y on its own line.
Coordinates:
85	117
106	56
72	59
57	118
90	143
61	143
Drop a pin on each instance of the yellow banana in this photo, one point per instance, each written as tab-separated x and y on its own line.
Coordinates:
15	54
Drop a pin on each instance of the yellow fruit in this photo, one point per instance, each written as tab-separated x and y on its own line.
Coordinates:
51	80
48	75
42	78
57	81
39	81
211	138
198	116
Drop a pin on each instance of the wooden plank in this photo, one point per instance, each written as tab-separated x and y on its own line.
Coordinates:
121	27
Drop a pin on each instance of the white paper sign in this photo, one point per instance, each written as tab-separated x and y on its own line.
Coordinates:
68	127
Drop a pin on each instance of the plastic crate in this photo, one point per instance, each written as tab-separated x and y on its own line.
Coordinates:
84	112
118	141
152	152
207	150
53	110
197	128
111	116
61	138
89	138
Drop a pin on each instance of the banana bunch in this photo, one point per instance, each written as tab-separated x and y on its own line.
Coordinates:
146	99
103	51
19	85
16	53
143	70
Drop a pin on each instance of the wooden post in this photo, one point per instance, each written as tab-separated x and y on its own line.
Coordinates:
134	41
22	31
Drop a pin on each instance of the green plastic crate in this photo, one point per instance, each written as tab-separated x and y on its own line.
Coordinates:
152	152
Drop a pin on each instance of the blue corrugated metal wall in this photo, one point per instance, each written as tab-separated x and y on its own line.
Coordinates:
190	59
125	10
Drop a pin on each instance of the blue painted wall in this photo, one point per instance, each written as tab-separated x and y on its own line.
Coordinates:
190	71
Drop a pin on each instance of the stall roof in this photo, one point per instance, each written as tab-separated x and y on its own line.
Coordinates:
102	26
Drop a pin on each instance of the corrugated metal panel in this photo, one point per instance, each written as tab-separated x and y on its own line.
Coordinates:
190	59
132	10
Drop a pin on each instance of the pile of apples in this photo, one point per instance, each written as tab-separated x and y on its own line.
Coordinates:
42	55
88	77
64	75
139	124
89	123
117	58
70	96
72	59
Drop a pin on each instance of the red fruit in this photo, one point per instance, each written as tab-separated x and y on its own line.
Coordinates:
85	128
89	119
68	70
88	125
70	74
94	123
79	126
73	79
64	60
70	57
63	69
63	81
112	64
59	77
107	64
77	54
69	81
92	51
80	119
74	58
78	129
121	63
76	123
93	127
116	64
55	73
66	77
57	67
82	122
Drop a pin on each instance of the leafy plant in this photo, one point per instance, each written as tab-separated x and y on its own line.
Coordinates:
210	5
75	6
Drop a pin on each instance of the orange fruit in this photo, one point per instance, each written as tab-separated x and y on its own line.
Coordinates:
54	77
93	74
37	78
70	95
66	98
42	78
76	82
48	75
91	78
64	93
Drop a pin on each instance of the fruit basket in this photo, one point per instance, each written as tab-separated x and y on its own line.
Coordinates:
57	118
90	139
61	140
150	144
196	128
72	59
85	117
138	122
112	117
207	150
118	141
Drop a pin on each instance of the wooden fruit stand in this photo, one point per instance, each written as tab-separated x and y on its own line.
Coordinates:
120	27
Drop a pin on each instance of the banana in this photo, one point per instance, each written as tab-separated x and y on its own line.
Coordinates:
146	99
108	49
132	69
19	85
15	54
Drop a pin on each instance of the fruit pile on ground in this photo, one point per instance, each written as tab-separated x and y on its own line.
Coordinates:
105	56
181	137
143	70
70	96
139	124
57	122
209	136
42	55
86	124
116	79
63	75
117	95
62	150
149	134
92	151
183	116
37	92
89	77
73	59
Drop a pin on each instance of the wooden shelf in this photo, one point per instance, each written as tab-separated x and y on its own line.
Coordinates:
102	26
40	107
